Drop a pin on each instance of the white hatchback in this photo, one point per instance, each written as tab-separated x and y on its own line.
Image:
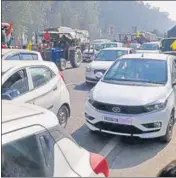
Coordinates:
104	59
136	97
36	82
20	54
35	145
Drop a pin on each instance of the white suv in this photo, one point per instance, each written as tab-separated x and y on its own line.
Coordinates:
136	97
34	145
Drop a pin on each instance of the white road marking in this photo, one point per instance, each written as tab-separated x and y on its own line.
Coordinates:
109	146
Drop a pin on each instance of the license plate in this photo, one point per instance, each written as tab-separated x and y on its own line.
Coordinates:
119	120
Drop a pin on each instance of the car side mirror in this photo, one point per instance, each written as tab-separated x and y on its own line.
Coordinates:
173	84
6	97
99	75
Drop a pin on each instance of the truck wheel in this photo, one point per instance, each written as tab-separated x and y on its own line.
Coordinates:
61	64
75	58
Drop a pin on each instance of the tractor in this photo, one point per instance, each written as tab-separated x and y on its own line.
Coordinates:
64	44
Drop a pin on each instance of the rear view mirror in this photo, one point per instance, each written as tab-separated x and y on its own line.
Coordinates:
99	75
6	97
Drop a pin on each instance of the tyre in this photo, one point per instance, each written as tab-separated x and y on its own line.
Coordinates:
61	64
63	115
75	58
168	136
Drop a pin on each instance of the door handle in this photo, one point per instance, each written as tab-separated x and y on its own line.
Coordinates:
55	88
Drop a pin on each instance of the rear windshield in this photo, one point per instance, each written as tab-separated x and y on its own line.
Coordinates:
110	55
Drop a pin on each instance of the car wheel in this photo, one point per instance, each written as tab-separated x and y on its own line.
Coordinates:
168	136
63	116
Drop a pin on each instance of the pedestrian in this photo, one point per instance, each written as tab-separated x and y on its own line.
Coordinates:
169	170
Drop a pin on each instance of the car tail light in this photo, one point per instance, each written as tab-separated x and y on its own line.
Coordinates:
62	76
99	164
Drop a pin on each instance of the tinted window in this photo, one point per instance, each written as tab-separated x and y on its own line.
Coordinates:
110	55
14	57
40	75
136	70
16	85
22	158
111	45
26	56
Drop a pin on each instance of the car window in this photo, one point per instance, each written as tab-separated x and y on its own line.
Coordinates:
16	84
22	158
41	75
25	56
34	56
13	57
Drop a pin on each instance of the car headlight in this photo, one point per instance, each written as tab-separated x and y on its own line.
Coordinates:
90	98
156	106
88	68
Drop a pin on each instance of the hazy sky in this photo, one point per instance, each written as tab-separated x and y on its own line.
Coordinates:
167	6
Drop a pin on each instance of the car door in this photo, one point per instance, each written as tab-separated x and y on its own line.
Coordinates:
17	86
45	85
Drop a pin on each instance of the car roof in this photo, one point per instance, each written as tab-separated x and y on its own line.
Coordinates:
8	64
5	51
147	56
116	48
14	111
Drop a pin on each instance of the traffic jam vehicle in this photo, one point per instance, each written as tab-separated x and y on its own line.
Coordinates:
39	83
135	97
104	59
35	145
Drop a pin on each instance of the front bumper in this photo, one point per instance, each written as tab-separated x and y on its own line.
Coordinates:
132	125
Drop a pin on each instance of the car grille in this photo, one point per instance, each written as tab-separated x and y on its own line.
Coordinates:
102	71
121	109
126	129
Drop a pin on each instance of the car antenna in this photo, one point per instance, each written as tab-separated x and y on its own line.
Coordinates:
142	55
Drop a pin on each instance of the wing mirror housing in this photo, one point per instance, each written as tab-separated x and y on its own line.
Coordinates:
99	75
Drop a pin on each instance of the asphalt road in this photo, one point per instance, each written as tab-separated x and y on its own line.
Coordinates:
126	157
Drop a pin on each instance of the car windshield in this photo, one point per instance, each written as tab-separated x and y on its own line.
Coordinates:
137	70
110	55
149	46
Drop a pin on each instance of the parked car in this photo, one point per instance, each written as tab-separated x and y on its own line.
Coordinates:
36	82
103	61
20	54
135	97
135	46
150	47
90	54
35	145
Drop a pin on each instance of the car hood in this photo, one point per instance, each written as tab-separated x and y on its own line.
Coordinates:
128	94
147	51
101	64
